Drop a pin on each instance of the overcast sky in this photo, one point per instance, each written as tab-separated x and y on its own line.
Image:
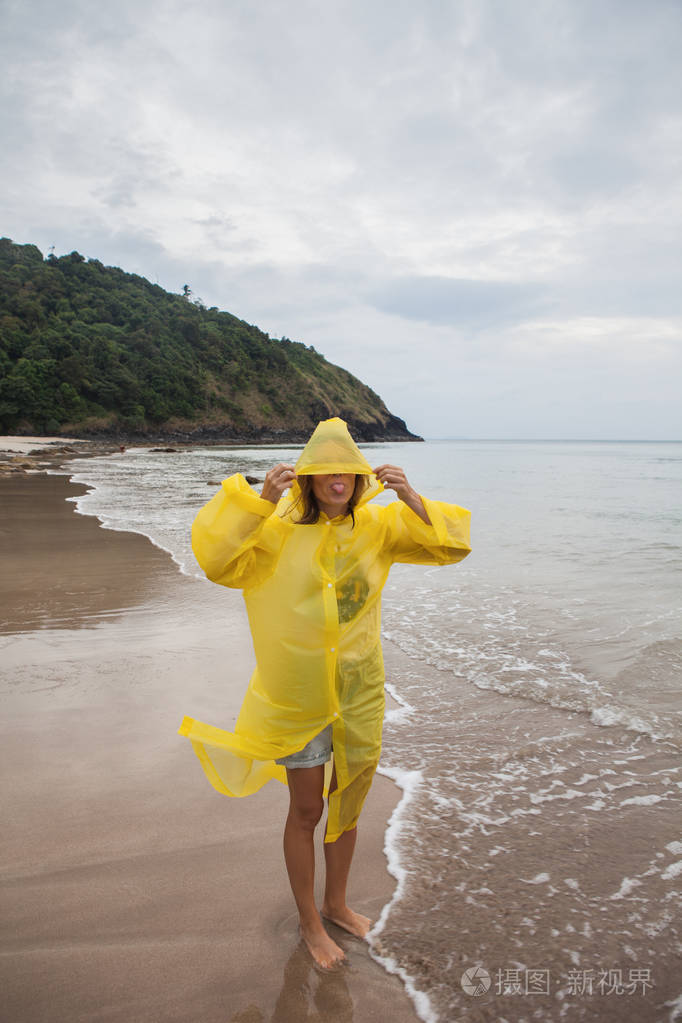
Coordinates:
473	205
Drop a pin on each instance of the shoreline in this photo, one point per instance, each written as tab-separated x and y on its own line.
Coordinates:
208	436
507	792
161	893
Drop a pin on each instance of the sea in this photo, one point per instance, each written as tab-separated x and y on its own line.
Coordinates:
535	725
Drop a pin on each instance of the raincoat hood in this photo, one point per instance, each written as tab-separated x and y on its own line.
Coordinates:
332	449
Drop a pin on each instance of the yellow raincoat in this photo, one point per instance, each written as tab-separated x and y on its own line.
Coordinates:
313	596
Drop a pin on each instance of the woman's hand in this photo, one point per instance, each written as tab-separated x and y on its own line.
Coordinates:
277	480
394	478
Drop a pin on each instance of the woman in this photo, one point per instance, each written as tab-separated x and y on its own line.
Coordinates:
312	567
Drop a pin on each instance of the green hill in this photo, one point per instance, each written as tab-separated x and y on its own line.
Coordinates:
90	350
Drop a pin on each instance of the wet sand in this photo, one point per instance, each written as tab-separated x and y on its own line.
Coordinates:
130	889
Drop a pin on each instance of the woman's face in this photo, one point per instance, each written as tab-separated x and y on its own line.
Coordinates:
333	492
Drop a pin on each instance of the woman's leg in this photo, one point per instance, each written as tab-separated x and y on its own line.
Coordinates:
338	856
305	809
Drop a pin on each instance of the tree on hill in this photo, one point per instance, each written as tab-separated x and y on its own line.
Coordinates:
91	349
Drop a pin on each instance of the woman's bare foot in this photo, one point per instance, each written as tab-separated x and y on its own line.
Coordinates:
350	921
322	948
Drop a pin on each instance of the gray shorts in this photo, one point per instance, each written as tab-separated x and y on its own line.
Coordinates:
317	751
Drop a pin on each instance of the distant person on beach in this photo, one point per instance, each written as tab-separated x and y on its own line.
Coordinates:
312	566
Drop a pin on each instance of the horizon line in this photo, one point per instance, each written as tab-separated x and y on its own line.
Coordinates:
566	440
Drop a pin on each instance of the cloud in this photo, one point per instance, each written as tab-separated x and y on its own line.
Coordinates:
467	303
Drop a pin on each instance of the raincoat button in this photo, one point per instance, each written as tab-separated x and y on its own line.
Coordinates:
333	649
329	586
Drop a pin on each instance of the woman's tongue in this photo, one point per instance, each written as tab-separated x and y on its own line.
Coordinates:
338	488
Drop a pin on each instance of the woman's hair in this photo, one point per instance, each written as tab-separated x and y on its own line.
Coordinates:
310	510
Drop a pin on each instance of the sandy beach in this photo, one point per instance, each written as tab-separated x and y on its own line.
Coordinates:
25	445
131	890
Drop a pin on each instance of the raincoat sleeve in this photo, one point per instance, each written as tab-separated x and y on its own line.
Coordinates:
444	542
235	537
